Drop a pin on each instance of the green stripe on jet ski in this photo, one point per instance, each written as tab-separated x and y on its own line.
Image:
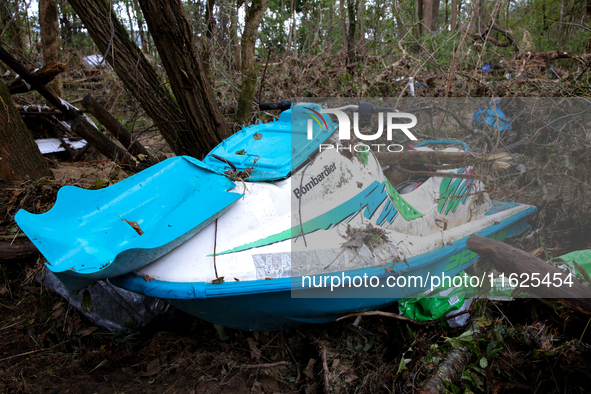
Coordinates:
371	198
407	211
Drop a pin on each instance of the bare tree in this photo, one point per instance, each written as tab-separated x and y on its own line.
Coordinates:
140	24
173	36
194	136
352	8
431	14
234	7
254	14
361	23
454	15
50	31
343	20
19	155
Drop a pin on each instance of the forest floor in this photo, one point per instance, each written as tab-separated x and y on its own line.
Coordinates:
539	346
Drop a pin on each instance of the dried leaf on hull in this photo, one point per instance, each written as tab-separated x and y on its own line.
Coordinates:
147	277
370	236
241	175
133	225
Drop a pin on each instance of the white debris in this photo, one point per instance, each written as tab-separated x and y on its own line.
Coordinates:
93	61
52	145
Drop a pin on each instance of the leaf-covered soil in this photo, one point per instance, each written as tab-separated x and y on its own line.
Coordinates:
529	346
47	347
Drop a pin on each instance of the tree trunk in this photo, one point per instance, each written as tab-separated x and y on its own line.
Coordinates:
351	7
479	23
14	34
168	23
195	7
50	32
419	16
343	19
428	13
454	15
140	25
361	23
66	29
139	77
431	13
292	26
254	14
435	15
19	155
234	33
223	38
331	13
207	44
131	28
446	22
560	26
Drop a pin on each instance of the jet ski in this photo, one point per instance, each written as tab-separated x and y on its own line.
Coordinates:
269	231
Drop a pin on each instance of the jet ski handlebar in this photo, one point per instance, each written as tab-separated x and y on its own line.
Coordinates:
283	105
365	109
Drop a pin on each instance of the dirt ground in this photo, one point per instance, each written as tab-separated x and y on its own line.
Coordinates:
48	347
528	346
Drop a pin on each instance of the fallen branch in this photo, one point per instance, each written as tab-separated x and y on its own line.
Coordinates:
116	129
449	371
482	178
403	318
487	36
44	75
454	364
514	147
423	157
268	365
83	126
100	142
510	260
325	368
17	252
543	56
474	132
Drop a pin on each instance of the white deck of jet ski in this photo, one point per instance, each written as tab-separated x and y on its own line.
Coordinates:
266	210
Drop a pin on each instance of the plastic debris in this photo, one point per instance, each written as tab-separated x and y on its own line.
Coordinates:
490	117
52	145
93	61
443	302
108	306
447	301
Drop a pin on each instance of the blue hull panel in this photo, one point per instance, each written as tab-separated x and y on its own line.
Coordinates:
278	147
274	312
91	235
267	305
